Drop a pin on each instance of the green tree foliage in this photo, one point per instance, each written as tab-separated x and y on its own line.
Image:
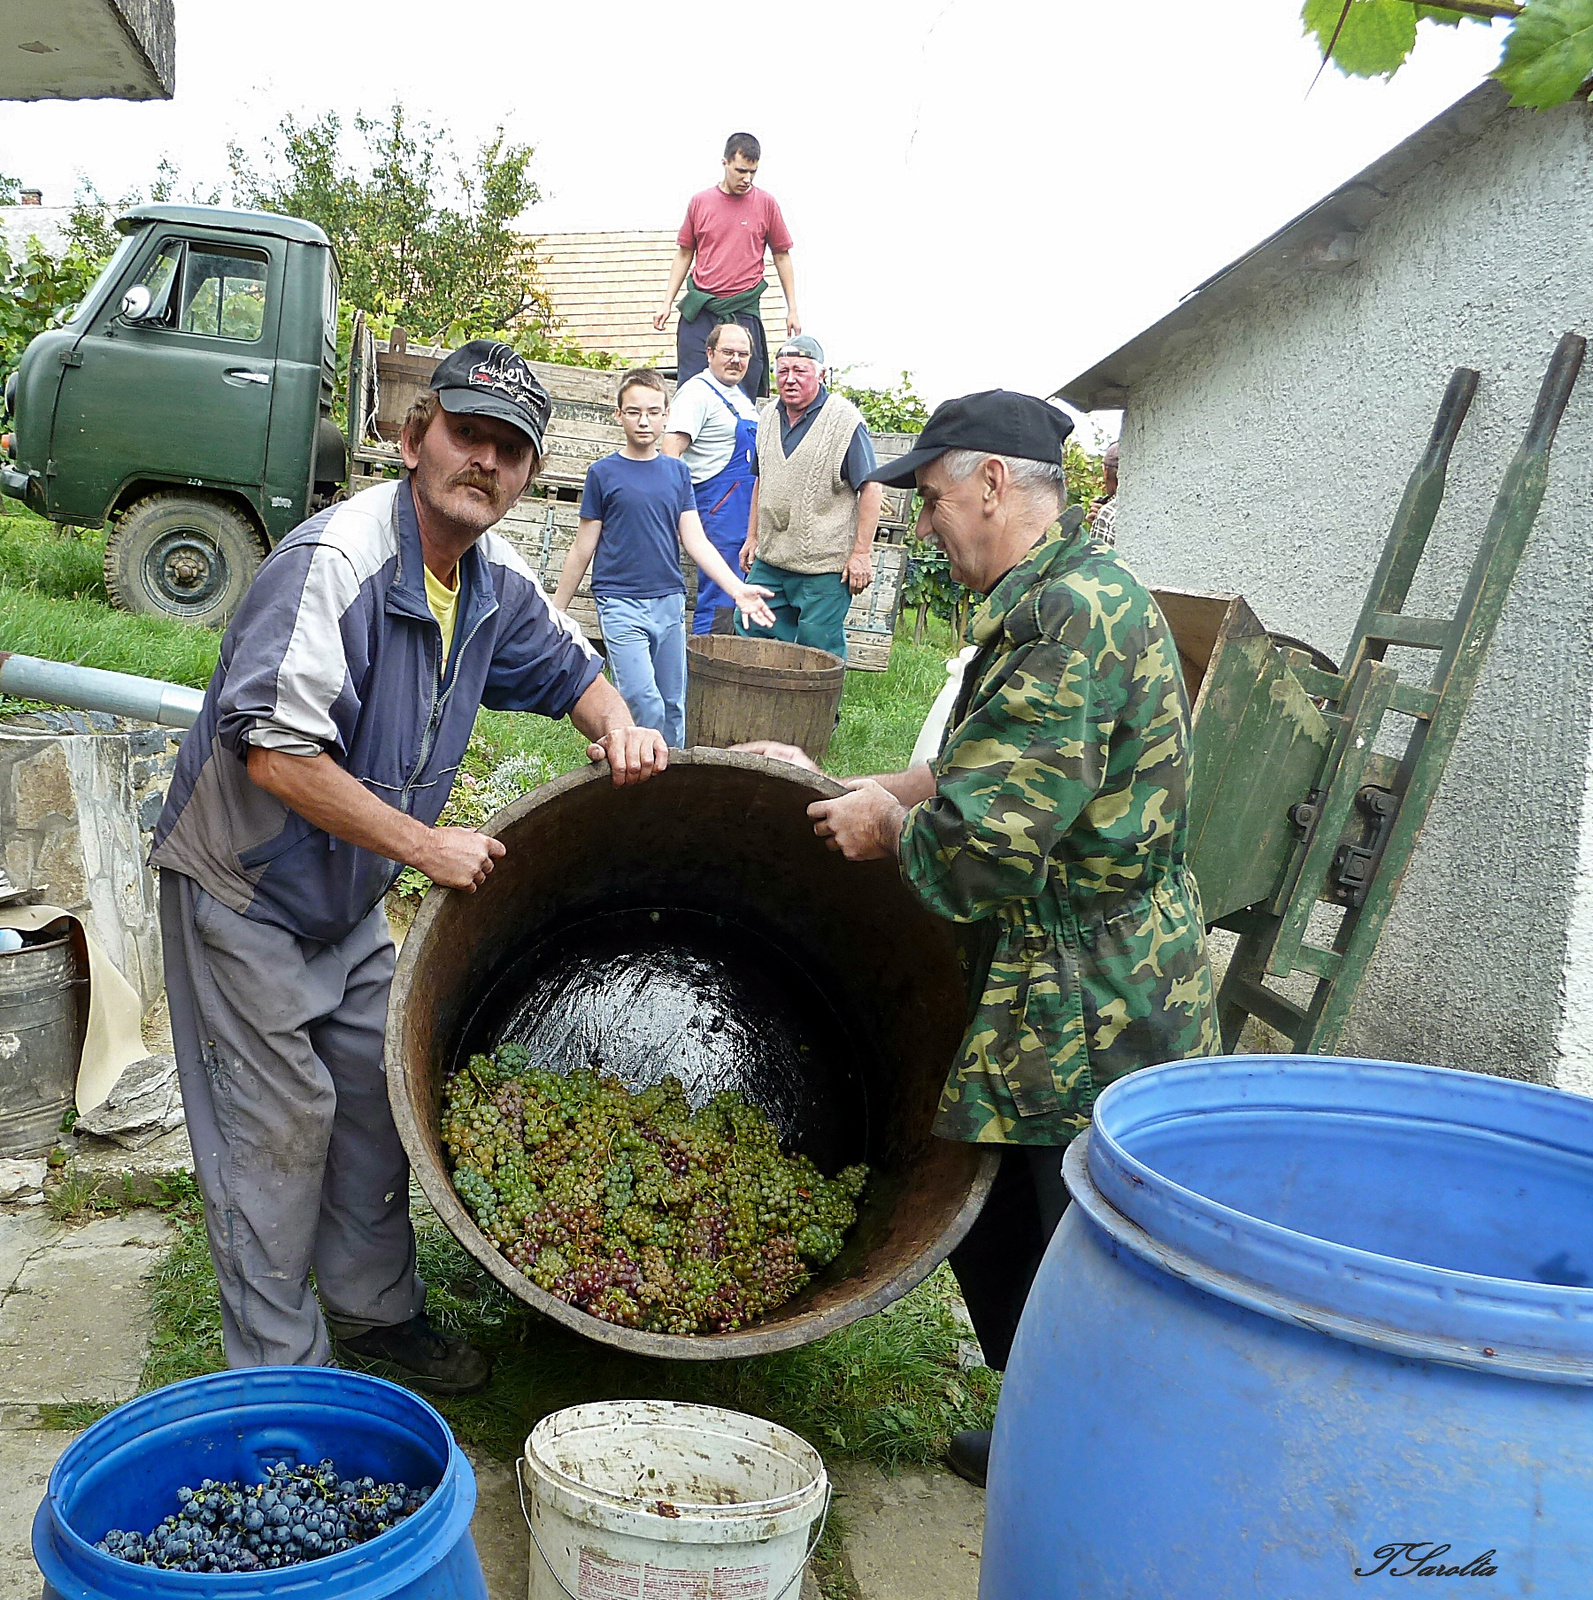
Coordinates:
92	226
898	409
1086	474
1548	52
36	291
1548	57
424	239
93	221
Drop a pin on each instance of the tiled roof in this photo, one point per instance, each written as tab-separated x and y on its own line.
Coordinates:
605	288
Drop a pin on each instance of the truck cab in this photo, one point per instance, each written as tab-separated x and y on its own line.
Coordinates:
187	403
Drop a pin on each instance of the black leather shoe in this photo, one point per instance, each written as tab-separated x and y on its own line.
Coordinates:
968	1454
432	1361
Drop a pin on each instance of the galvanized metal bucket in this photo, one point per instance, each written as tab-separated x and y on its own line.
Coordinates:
43	1014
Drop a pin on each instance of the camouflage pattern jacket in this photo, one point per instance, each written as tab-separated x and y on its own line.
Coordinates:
1057	835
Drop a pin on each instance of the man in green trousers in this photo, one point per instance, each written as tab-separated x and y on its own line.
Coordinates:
810	531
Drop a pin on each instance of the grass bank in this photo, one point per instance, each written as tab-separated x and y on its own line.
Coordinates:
881	713
53	604
888	1389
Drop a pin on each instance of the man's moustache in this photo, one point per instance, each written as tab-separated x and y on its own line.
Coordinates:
474	480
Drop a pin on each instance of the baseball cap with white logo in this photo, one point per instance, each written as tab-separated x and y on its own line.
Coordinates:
489	379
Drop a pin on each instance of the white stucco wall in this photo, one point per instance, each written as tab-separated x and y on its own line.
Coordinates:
1268	456
47	224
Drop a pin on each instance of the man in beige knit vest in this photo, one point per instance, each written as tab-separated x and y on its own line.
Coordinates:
811	528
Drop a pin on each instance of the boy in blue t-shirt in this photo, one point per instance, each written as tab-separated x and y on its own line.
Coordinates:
636	509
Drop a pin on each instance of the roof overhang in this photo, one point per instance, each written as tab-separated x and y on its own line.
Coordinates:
87	50
1325	238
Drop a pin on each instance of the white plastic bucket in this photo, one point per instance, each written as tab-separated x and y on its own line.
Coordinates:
654	1500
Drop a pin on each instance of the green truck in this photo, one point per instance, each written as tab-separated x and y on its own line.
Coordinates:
186	402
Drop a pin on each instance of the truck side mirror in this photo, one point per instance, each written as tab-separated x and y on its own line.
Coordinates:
136	303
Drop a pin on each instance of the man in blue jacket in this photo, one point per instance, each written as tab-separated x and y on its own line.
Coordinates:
345	695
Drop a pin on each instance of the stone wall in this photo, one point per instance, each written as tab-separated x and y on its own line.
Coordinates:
1266	457
80	793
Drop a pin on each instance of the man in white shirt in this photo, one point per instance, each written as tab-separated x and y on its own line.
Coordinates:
713	428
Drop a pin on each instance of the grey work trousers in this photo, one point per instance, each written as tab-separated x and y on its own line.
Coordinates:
279	1050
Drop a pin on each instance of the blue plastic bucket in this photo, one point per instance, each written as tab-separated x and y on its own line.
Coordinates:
124	1472
1310	1325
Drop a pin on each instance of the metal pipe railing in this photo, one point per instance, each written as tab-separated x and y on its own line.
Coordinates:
92	689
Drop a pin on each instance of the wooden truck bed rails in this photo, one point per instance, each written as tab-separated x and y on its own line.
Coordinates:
384	377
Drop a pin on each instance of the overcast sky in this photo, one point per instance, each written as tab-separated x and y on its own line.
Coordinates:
986	192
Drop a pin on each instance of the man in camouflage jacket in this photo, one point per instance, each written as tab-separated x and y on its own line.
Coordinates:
1051	827
1057	830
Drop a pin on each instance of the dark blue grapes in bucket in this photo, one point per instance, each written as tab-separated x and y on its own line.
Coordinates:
124	1473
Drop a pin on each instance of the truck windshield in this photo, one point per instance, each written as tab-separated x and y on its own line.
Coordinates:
107	273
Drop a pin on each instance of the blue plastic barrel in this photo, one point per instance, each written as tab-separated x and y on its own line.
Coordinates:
124	1472
1309	1328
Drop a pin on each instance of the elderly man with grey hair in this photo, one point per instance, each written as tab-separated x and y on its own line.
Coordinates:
810	530
1050	826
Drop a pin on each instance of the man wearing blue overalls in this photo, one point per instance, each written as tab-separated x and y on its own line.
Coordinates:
713	428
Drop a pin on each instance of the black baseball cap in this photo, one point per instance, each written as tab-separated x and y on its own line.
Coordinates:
488	379
997	421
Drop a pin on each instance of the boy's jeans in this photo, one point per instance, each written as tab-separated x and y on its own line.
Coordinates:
646	643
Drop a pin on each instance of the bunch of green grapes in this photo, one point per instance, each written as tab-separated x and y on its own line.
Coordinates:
633	1207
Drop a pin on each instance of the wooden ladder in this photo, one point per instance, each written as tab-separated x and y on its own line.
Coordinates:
1359	829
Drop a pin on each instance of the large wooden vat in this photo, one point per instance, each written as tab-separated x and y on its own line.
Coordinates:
726	835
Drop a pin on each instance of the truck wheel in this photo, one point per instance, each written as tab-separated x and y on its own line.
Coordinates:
181	555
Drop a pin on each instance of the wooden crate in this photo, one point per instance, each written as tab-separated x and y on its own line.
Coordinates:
896	513
406	374
875	610
575	439
868	652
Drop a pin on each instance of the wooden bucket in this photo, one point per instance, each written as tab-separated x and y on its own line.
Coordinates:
740	689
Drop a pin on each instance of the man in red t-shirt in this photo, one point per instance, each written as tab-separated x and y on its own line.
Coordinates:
720	261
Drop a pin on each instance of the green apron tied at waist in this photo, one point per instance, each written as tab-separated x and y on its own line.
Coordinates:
726	308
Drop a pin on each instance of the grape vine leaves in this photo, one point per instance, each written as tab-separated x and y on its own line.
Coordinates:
1548	52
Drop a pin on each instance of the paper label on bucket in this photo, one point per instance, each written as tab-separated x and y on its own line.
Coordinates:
741	1583
602	1577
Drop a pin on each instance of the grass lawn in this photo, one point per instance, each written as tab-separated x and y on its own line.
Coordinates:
888	1388
53	604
